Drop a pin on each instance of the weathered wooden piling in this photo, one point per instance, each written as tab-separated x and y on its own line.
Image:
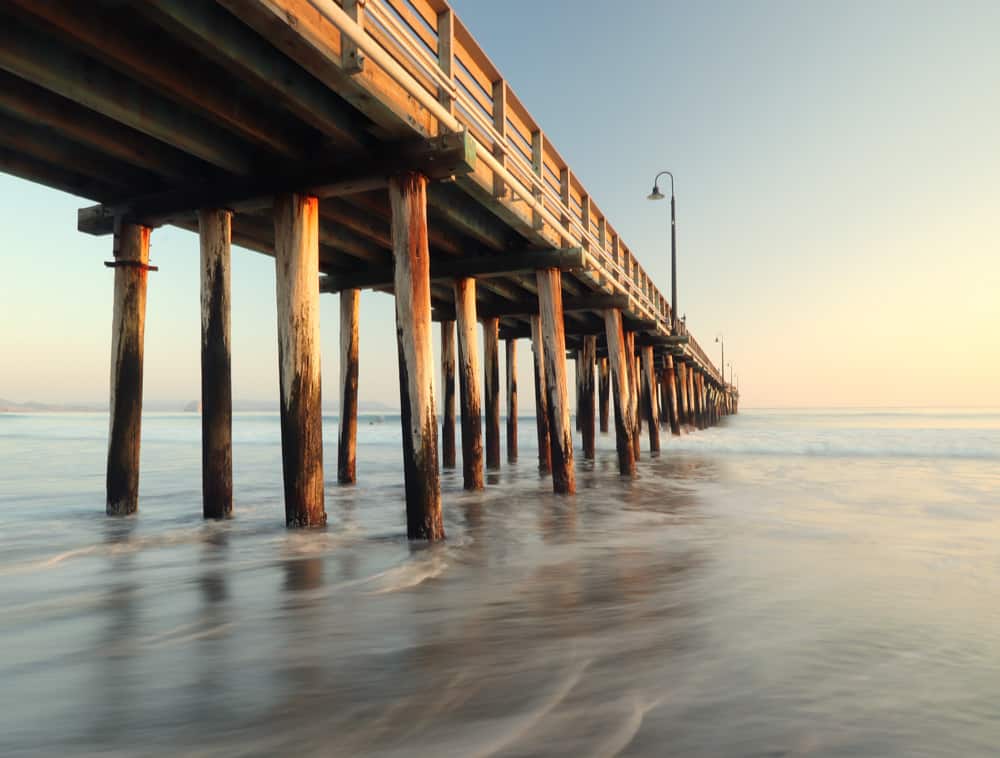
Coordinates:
511	348
348	438
692	399
586	410
621	388
215	234
682	393
671	377
468	384
633	375
604	389
649	392
541	398
296	252
491	386
411	255
554	338
131	261
448	401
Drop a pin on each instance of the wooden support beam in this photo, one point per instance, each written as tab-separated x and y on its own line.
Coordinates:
436	157
649	396
448	379
98	32
85	127
215	233
44	144
468	384
528	306
491	386
554	338
296	253
408	199
252	59
348	442
671	379
604	390
586	411
55	176
511	347
567	259
48	64
131	253
541	397
622	387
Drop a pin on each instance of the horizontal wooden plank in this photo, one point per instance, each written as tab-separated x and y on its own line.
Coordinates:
437	158
565	259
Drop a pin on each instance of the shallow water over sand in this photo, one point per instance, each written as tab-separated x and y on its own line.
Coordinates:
786	584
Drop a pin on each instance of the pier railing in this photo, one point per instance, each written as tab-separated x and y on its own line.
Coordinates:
521	168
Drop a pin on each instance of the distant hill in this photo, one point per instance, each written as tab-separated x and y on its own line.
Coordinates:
250	406
9	406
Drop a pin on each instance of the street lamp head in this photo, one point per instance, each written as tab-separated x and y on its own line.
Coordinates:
655	194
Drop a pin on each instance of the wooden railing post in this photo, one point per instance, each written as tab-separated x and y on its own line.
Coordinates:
446	54
411	255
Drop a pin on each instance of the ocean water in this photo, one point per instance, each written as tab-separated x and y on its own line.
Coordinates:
788	583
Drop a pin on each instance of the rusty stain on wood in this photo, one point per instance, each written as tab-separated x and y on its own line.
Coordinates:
408	199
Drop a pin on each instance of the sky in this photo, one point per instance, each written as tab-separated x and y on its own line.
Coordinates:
837	173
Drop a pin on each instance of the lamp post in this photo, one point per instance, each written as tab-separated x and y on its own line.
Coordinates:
721	339
657	195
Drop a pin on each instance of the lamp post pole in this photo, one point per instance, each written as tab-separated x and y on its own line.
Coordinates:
657	195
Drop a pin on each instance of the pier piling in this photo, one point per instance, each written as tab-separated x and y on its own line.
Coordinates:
296	252
411	277
491	387
621	388
671	377
604	388
541	398
554	338
215	236
347	443
511	347
468	384
448	400
650	399
585	411
131	259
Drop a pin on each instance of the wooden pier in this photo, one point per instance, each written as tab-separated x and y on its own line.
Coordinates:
365	146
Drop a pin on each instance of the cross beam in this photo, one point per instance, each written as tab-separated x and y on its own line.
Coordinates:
436	158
